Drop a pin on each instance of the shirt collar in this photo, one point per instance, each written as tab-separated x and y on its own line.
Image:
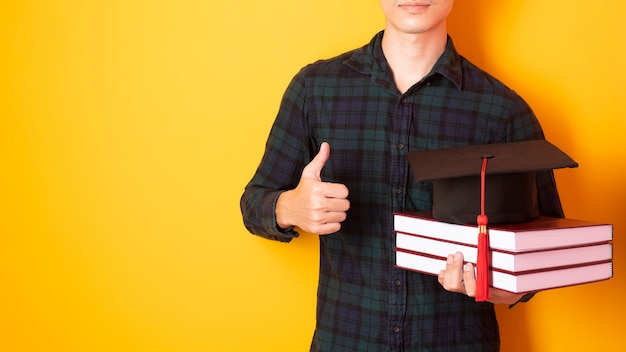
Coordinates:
371	60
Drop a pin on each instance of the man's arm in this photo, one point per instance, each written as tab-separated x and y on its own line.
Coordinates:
313	205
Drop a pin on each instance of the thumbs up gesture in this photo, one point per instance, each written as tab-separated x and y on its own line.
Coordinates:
314	206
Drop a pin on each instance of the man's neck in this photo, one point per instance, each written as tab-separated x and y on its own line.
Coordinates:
412	56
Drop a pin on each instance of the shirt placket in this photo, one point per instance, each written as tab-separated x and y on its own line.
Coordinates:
401	121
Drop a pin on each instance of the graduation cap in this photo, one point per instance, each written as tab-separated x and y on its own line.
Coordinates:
486	183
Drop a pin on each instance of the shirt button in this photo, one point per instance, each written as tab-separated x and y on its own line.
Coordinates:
404	100
400	146
398	190
396	329
397	282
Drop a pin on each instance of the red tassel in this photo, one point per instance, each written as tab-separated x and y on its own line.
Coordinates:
482	262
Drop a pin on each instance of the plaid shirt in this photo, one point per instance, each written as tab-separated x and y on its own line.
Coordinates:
351	101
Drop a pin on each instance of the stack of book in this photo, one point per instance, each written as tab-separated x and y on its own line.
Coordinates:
541	254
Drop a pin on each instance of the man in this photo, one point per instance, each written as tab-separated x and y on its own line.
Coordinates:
335	165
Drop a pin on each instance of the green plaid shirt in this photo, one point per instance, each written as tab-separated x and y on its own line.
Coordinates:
351	101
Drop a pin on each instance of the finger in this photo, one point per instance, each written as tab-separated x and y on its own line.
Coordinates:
314	168
337	206
445	276
441	277
329	223
454	270
469	280
328	228
336	216
337	195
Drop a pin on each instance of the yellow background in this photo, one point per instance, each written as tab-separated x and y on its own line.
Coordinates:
128	130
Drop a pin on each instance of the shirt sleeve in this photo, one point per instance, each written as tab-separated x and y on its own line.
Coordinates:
286	154
524	125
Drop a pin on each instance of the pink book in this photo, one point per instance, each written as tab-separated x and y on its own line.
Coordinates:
505	260
516	282
538	234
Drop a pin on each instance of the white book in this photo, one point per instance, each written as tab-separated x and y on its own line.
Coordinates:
542	233
529	281
508	261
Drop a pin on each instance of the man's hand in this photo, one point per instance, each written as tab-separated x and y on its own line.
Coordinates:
314	206
459	277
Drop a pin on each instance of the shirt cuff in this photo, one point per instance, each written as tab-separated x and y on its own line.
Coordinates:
278	233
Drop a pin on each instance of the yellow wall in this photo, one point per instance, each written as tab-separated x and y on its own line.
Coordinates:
129	128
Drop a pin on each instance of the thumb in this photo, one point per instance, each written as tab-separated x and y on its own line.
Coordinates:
314	168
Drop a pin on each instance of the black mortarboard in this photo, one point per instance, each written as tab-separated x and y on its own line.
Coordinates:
510	188
487	183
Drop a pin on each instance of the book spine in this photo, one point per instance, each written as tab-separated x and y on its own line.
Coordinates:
508	261
517	239
410	254
518	282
